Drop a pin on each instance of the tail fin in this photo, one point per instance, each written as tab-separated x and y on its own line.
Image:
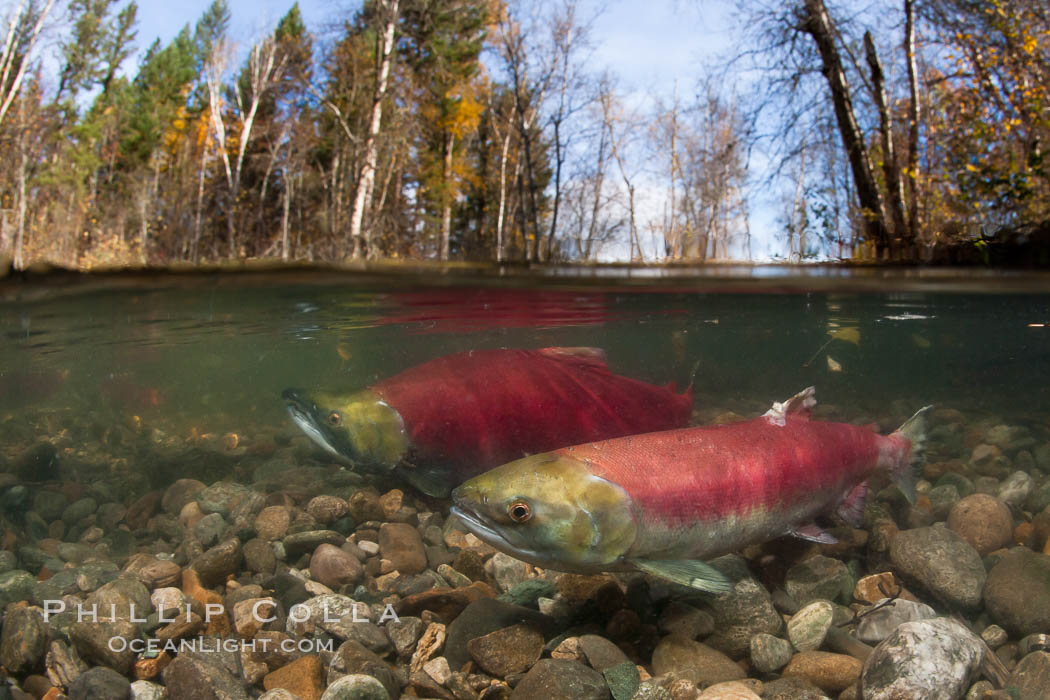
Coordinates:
914	431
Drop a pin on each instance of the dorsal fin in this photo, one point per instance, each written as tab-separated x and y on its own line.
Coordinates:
798	406
582	355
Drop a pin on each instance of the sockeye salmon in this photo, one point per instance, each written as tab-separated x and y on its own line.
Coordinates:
439	423
663	502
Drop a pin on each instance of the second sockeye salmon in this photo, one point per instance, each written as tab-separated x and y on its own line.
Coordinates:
446	420
663	502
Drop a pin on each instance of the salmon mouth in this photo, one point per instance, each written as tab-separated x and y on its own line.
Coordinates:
304	414
488	534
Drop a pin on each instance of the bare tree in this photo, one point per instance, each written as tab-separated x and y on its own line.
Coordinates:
23	32
366	180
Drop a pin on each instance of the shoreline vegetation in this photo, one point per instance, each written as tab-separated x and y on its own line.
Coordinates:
483	130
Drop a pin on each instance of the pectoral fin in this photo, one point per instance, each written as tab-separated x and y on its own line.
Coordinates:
688	572
812	533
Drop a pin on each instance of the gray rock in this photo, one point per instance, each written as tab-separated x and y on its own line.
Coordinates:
259	557
300	543
1017	594
404	633
942	499
941	562
92	641
742	613
685	620
144	690
278	694
623	680
601	653
818	578
222	497
123	598
507	571
929	659
50	504
769	653
694	661
482	617
78	510
994	636
208	529
792	688
190	678
356	687
1031	676
8	561
1014	490
352	658
217	563
99	683
561	679
1039	499
881	623
652	690
16	585
807	628
370	635
179	494
23	642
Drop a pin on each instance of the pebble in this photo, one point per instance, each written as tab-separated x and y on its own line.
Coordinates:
356	687
694	661
942	499
482	617
24	641
817	578
929	659
829	672
510	650
99	682
561	679
1031	676
507	571
792	688
941	562
179	494
875	587
353	658
303	677
403	546
272	522
299	543
190	678
1014	489
685	621
327	509
881	622
769	653
600	653
742	613
259	556
988	460
219	562
982	520
145	690
91	640
1017	594
807	628
334	567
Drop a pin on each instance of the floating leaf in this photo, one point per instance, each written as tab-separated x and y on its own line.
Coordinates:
833	366
850	335
920	341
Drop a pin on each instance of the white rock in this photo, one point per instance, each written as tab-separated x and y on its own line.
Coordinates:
808	627
144	690
930	659
438	669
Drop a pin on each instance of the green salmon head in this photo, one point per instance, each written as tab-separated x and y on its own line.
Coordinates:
549	510
358	427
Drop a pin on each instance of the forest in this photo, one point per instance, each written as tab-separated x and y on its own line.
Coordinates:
482	130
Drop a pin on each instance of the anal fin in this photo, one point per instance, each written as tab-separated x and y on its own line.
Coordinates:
688	572
812	533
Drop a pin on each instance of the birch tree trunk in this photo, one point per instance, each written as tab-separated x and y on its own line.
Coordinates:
446	197
366	182
913	117
15	52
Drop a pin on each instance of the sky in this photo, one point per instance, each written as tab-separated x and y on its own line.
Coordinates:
653	51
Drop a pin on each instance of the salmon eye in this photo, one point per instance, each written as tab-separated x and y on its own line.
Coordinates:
335	419
519	511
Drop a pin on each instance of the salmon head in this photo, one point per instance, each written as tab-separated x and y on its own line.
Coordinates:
359	427
550	510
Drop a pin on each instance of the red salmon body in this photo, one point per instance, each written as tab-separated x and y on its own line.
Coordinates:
705	491
482	408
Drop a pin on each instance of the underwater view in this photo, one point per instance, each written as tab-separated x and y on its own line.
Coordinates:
720	485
